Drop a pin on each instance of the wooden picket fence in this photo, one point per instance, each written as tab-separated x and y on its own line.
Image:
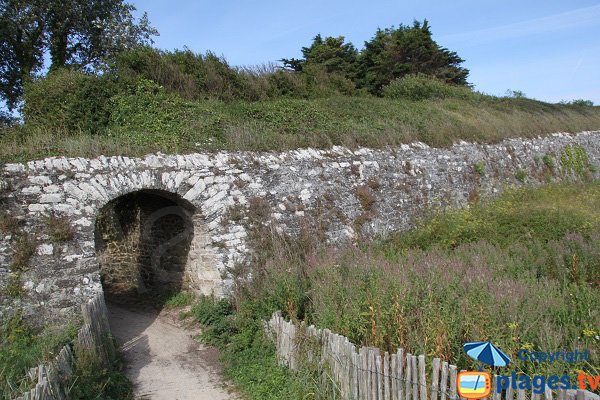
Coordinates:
93	338
366	373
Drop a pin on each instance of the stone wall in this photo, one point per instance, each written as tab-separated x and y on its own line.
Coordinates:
369	192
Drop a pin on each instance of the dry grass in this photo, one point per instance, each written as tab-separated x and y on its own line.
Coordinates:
59	228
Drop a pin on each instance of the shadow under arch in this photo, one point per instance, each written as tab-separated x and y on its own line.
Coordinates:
142	242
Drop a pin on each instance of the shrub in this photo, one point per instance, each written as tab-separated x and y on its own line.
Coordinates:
579	103
421	87
70	101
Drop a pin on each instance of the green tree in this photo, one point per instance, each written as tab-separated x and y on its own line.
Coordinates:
394	53
22	37
81	33
332	53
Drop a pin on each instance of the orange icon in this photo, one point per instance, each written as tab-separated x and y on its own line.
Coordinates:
474	385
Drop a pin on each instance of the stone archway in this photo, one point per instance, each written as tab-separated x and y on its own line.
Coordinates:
142	243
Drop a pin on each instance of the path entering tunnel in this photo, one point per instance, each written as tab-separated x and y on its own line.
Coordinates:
142	244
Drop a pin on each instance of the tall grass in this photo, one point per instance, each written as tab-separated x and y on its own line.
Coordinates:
522	271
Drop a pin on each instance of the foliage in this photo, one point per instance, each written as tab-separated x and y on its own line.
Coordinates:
521	175
331	53
391	54
249	356
179	299
423	87
549	161
515	94
574	159
21	348
70	101
394	53
479	167
145	118
521	270
83	34
579	103
23	250
21	46
8	223
92	380
547	213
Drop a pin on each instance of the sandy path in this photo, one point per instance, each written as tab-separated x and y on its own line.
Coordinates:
163	361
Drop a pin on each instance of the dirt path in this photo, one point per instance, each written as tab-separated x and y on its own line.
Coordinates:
163	360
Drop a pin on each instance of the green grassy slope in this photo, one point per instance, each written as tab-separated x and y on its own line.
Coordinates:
142	124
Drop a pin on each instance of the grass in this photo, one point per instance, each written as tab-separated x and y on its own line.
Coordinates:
249	356
141	125
21	349
521	271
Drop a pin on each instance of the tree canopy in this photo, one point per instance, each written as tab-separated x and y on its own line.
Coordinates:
81	33
392	53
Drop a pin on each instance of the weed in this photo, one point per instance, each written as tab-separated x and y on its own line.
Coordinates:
521	175
373	183
59	228
549	161
479	167
14	285
234	214
574	159
24	249
180	299
8	223
259	209
365	196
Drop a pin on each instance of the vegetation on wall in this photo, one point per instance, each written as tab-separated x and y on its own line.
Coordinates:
521	271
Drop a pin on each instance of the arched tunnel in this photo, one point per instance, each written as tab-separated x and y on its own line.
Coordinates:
142	243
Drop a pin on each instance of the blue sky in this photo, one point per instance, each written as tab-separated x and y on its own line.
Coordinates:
549	49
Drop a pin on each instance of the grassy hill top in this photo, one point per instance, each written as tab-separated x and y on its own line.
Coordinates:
139	124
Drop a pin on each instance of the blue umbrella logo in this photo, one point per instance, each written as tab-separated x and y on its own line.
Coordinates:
486	353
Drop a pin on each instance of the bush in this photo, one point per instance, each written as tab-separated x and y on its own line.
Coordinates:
579	103
522	270
70	101
147	115
422	87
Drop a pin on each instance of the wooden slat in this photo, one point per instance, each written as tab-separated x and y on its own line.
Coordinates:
510	392
435	376
415	377
422	378
386	376
408	377
453	375
444	381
